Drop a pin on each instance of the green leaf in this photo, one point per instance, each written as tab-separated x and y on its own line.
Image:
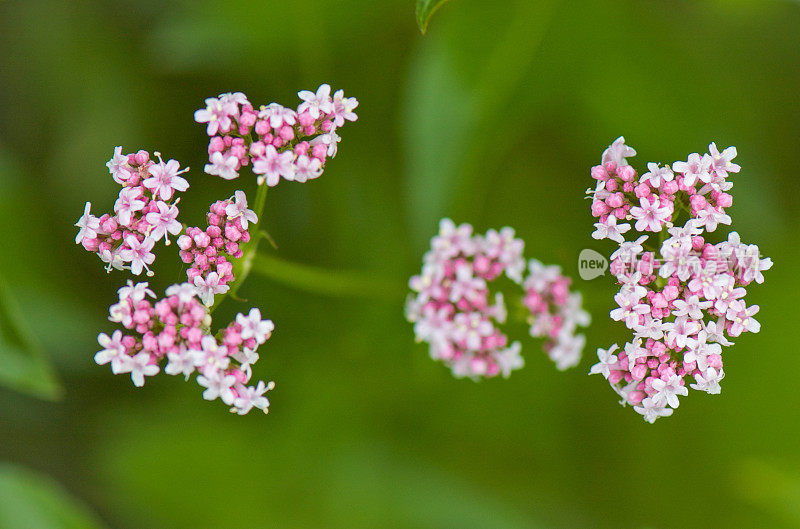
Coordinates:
24	366
434	136
425	10
34	501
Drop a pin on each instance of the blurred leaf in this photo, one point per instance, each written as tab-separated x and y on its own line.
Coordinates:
453	135
32	501
435	136
23	363
37	288
770	487
425	10
416	495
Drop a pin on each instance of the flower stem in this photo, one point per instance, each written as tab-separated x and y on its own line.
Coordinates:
241	267
325	282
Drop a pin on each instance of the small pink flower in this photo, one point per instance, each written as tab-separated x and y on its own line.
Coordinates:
316	103
254	327
252	397
138	253
164	221
88	224
274	166
224	167
238	210
140	366
208	286
113	351
343	108
164	179
696	169
118	166
218	385
618	152
306	168
721	162
656	175
650	216
217	114
278	115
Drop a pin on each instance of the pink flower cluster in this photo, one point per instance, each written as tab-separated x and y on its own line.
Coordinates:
453	308
556	313
684	294
175	329
144	212
279	142
652	200
209	251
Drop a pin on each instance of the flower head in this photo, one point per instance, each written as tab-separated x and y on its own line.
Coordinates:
165	179
681	299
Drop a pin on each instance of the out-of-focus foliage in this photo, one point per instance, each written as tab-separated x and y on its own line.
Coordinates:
494	117
33	501
23	364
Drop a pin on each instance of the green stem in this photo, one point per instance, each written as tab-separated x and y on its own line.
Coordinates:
325	282
242	267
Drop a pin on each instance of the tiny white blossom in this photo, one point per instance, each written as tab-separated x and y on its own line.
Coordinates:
318	102
608	360
254	327
509	359
129	202
208	286
709	380
610	230
273	165
185	292
88	224
218	385
223	167
617	152
135	293
163	221
138	253
139	367
252	397
668	391
239	210
652	411
113	351
118	166
164	179
180	363
657	175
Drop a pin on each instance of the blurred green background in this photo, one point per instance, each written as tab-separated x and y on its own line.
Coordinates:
494	117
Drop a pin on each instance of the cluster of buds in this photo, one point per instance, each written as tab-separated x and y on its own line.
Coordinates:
144	212
277	141
455	311
555	313
176	330
209	251
681	296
